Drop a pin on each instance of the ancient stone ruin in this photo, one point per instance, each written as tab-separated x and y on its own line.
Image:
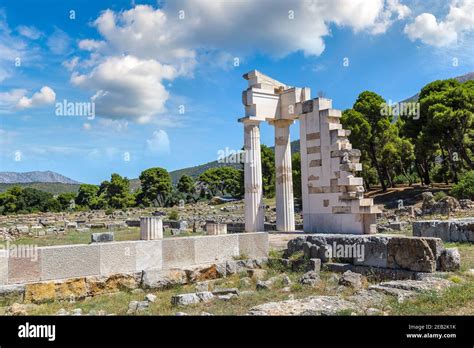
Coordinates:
333	197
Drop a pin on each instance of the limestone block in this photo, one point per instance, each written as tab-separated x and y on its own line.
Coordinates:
118	257
413	254
215	248
178	252
25	268
3	267
375	252
148	255
253	244
433	228
69	261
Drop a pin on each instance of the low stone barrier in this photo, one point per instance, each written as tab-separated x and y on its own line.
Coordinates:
390	252
104	259
453	230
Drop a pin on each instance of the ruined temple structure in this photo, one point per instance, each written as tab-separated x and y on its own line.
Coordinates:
333	196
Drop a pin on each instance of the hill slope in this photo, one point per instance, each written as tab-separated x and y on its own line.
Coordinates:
52	187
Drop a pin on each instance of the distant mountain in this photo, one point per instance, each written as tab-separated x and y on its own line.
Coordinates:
34	177
462	78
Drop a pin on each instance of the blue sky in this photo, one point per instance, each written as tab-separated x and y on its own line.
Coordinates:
163	80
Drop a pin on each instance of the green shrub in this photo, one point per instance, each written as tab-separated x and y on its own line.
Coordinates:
439	195
173	215
465	187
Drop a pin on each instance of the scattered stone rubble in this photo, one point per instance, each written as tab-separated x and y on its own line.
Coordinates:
360	303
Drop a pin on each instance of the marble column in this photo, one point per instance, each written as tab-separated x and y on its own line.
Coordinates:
254	207
151	228
285	211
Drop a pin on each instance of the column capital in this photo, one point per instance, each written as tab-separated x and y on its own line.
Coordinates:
248	120
281	123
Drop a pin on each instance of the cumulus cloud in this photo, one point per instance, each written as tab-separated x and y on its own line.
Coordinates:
127	87
45	96
429	30
141	47
159	143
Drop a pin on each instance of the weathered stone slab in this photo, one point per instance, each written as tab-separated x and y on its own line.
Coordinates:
69	261
313	305
178	252
376	273
413	254
102	237
215	248
119	257
24	269
253	244
149	255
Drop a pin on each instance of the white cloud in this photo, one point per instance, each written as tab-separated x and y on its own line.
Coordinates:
87	126
143	46
58	42
159	143
458	21
127	87
45	96
29	32
90	45
71	64
8	100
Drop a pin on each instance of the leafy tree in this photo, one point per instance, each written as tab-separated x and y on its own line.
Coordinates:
18	200
86	194
156	186
223	180
465	187
445	128
296	173
186	184
268	171
116	192
64	200
34	200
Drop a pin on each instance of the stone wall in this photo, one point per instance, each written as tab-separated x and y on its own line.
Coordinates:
454	230
103	259
387	252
